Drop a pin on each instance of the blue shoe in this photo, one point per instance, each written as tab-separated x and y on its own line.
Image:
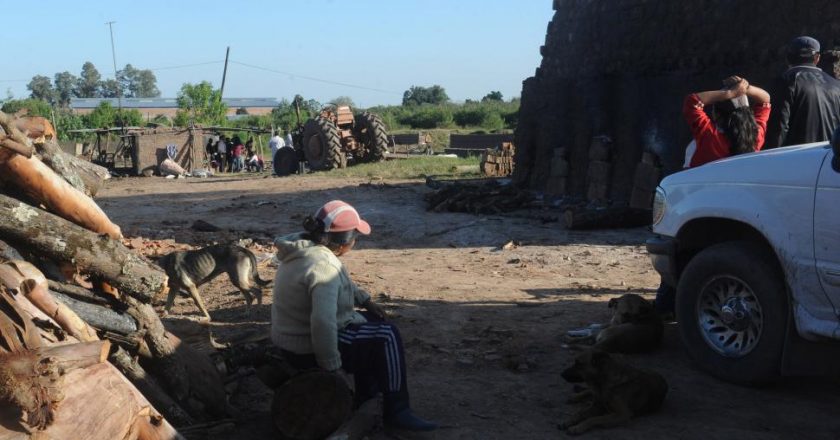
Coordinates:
406	420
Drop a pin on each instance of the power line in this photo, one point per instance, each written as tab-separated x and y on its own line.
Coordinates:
311	78
12	80
187	65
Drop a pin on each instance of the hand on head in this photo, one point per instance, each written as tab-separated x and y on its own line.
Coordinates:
736	84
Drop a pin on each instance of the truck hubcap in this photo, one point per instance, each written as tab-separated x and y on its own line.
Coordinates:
729	316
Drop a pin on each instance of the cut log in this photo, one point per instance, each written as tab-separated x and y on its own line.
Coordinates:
99	317
66	318
7	252
150	388
55	238
37	128
605	218
7	122
80	355
365	419
40	183
311	406
81	174
77	292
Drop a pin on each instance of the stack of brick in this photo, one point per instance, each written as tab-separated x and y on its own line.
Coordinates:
556	184
498	162
645	180
598	173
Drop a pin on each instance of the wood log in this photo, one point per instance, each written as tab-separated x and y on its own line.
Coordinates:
37	128
40	183
150	388
7	123
79	355
605	218
365	419
66	318
81	174
311	405
98	316
77	292
53	237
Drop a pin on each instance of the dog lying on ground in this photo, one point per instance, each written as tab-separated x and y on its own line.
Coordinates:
635	327
187	270
618	392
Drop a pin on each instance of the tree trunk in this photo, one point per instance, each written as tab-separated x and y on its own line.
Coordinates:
66	318
311	405
79	355
55	238
100	317
40	183
81	174
7	252
606	218
77	292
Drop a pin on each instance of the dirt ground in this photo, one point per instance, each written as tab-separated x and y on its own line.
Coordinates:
482	326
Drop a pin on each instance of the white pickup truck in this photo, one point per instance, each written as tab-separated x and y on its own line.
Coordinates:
752	245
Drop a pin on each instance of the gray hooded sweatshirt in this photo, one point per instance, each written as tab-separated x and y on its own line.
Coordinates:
314	298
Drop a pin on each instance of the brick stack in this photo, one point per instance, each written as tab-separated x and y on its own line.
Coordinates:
645	180
598	174
498	162
607	70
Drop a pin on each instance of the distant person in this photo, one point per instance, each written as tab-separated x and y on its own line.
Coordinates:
275	143
222	151
289	142
808	99
238	156
255	162
738	125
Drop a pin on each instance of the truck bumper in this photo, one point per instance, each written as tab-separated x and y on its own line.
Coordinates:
663	255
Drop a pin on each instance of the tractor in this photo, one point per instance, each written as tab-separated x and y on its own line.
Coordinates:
336	137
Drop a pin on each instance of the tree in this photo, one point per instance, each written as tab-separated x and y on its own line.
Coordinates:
34	107
200	104
284	117
343	100
137	83
493	96
110	88
41	88
417	95
90	82
105	115
65	87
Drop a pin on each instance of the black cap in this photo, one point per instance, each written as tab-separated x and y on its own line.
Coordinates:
804	46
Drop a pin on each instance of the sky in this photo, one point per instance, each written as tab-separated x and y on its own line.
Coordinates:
369	50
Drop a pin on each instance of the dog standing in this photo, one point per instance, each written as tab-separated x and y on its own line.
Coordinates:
619	392
187	270
635	327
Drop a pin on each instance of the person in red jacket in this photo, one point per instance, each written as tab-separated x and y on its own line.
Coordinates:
737	125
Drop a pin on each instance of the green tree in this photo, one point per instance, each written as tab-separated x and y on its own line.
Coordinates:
41	88
200	104
137	83
65	122
105	115
90	82
417	95
283	116
110	88
65	87
343	100
34	107
493	96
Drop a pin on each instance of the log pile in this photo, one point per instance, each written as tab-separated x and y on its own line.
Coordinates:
488	198
498	162
97	298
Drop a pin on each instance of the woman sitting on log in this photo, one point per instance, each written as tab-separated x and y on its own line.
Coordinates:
314	321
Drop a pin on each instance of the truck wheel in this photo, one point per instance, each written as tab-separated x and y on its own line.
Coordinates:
322	146
372	136
733	311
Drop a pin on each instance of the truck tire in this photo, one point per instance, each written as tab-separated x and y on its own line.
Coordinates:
322	145
733	310
373	137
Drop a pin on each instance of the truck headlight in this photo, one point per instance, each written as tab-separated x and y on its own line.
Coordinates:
658	205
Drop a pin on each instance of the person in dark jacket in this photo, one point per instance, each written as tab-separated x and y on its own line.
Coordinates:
807	99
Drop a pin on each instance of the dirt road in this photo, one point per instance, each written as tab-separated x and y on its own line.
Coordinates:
482	326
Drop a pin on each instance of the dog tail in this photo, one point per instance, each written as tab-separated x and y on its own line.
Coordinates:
255	275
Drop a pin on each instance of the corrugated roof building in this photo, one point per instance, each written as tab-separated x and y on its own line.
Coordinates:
151	107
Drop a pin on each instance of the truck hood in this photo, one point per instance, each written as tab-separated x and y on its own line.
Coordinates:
797	165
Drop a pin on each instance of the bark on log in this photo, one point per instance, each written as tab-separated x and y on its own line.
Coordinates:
65	317
80	355
55	238
11	131
607	218
150	388
81	174
39	182
99	317
7	252
77	292
365	419
311	405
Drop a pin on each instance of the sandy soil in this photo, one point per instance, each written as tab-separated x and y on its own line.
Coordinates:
482	326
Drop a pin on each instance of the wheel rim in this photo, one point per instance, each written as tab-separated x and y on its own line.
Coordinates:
729	316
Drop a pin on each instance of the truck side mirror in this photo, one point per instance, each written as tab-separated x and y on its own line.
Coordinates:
835	148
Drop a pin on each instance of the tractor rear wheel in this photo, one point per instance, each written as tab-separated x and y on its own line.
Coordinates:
372	136
322	145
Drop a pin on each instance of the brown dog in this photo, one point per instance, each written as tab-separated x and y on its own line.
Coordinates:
187	270
635	327
619	392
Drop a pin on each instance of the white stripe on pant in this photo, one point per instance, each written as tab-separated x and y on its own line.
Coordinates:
375	331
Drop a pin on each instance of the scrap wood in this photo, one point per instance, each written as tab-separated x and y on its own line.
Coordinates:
491	198
7	123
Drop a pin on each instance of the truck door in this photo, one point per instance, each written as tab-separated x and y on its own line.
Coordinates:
827	230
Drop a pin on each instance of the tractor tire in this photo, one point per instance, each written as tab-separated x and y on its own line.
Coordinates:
285	162
373	137
322	145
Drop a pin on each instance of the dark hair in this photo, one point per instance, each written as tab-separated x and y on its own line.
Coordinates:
315	232
797	58
738	126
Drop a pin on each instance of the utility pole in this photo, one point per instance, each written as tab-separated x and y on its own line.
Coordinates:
116	78
224	74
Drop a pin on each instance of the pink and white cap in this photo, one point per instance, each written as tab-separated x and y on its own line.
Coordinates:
339	216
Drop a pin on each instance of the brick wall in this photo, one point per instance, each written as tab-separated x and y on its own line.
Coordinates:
620	69
151	149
